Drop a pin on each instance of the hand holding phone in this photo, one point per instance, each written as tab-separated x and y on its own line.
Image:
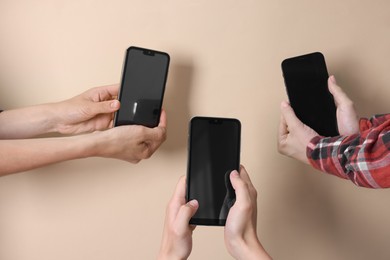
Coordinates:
306	80
214	152
142	87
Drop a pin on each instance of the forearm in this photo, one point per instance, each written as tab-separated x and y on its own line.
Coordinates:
324	154
256	252
26	154
163	256
374	121
27	122
363	158
248	250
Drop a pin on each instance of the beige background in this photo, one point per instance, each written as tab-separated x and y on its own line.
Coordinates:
225	61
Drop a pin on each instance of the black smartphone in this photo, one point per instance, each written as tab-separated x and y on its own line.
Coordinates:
142	87
214	152
306	81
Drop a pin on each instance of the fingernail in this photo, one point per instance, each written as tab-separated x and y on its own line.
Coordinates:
333	79
193	203
284	104
115	104
235	173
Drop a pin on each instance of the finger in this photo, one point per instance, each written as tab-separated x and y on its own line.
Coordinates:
244	175
163	119
192	227
340	97
240	187
283	130
180	191
104	107
186	212
289	116
246	178
155	136
177	199
111	90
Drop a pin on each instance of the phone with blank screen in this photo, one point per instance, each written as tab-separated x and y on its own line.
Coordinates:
306	81
214	152
142	87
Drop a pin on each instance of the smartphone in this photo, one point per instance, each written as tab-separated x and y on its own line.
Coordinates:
142	87
306	81
214	152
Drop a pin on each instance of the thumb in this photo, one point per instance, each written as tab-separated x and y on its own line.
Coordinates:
185	214
340	97
241	188
291	120
104	107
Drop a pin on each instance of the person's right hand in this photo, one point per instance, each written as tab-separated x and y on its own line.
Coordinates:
240	230
131	143
347	118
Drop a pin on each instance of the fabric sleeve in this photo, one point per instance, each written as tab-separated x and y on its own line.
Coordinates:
363	158
374	121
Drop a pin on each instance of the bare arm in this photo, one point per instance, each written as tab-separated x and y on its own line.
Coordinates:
26	122
90	111
240	231
27	154
129	143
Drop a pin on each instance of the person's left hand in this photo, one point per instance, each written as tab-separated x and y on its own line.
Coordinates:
90	111
177	237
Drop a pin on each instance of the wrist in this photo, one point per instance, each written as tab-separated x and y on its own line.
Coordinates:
44	116
93	145
169	254
51	118
162	256
36	120
57	120
247	249
104	144
81	146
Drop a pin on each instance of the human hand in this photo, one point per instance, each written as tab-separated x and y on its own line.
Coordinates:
177	235
90	111
293	136
131	143
347	119
240	230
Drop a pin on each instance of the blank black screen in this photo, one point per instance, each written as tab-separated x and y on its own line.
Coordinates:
306	79
214	152
142	87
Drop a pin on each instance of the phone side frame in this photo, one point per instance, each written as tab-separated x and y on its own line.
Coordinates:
203	221
288	90
124	66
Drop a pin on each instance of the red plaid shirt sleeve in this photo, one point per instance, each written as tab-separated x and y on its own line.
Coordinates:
363	158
